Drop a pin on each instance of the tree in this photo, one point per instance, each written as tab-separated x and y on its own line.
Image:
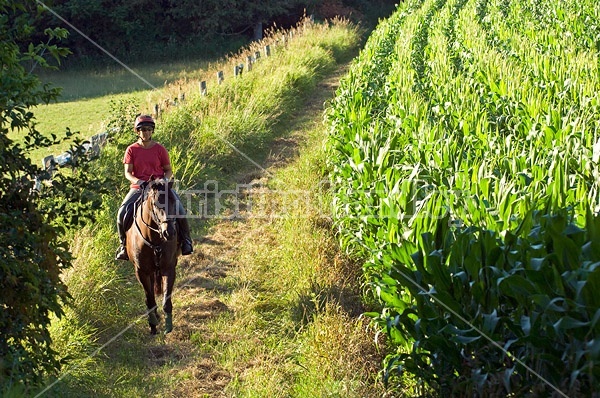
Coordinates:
140	29
33	252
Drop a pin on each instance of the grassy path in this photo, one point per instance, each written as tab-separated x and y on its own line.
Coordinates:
240	330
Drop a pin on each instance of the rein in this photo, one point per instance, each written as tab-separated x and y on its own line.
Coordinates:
157	248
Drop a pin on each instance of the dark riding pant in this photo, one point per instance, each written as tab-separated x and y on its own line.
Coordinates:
132	196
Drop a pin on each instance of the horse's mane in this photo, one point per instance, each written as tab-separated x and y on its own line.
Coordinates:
169	200
160	186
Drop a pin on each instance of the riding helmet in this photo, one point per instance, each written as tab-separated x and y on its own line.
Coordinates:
143	120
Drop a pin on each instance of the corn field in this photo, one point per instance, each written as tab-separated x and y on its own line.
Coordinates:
464	154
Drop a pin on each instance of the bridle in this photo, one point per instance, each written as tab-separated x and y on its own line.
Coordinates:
156	247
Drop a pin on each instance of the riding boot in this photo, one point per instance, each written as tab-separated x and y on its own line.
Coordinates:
122	250
184	239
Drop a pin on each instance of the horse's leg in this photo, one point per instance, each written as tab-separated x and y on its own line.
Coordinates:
148	285
168	280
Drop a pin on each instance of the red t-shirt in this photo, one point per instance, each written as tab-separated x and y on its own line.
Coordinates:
147	162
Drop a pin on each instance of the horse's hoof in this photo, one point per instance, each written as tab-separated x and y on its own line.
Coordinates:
168	323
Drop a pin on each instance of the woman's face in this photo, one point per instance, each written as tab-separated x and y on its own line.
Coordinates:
145	133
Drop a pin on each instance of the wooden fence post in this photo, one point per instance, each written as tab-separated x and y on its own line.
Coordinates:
220	77
203	87
258	31
49	164
267	50
249	63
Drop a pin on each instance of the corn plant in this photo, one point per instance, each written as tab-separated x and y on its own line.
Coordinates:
448	142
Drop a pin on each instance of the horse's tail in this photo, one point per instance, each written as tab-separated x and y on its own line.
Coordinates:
158	288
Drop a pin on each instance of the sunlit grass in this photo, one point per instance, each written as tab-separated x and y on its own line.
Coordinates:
115	80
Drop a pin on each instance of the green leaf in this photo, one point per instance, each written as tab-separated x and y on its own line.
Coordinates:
465	339
391	299
516	286
567	323
490	321
590	292
526	325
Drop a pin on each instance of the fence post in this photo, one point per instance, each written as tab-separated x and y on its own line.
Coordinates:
258	31
267	50
220	76
257	55
95	145
203	87
49	164
156	110
249	62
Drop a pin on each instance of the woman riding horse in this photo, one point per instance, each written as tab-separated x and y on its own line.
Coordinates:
146	159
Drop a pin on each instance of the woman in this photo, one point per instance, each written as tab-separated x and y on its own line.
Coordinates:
144	159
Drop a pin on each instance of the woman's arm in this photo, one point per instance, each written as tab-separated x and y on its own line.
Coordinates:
168	171
129	174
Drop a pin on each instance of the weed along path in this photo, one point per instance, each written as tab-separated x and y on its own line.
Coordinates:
266	306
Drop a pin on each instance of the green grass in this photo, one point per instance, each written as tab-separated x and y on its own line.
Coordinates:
295	335
86	84
88	117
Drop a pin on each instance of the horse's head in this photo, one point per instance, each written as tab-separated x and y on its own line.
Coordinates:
163	208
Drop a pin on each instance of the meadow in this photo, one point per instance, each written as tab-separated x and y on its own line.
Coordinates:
464	149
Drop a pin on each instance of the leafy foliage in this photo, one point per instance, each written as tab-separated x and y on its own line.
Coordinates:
143	28
491	314
33	218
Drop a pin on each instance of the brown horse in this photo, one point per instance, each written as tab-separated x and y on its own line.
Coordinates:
153	250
